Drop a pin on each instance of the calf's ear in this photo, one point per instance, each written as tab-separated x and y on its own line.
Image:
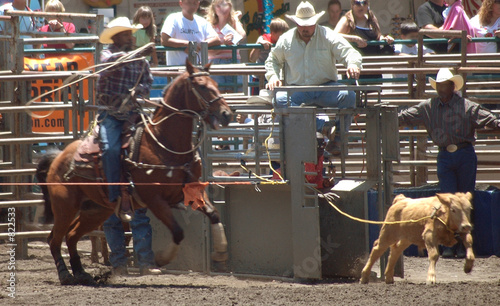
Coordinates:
469	196
444	197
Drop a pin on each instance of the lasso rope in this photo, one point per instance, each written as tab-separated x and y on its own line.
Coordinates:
68	82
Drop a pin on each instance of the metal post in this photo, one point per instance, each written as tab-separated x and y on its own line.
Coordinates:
204	53
192	53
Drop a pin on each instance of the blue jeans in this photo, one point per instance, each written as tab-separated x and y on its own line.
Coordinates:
141	234
227	79
337	98
110	132
457	171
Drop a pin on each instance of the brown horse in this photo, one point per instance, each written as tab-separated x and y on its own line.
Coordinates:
166	155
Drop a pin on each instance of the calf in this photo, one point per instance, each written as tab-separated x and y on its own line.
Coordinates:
449	215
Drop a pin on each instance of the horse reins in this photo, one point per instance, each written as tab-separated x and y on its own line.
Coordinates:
200	99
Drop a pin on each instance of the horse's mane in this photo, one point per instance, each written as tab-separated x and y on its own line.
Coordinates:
165	90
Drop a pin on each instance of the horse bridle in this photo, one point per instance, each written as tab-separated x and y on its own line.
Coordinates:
201	100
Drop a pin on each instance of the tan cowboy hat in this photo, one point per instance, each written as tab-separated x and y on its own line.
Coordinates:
443	75
264	97
305	15
116	26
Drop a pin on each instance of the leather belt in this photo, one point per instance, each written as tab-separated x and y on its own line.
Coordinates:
455	147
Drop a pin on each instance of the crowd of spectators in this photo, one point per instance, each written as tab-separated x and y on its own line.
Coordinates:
219	23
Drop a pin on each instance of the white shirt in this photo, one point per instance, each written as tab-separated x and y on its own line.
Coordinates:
413	50
178	26
485	31
312	63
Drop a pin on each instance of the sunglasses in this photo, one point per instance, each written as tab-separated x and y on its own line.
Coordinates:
360	2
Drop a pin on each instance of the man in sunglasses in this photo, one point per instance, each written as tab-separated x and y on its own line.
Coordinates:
307	54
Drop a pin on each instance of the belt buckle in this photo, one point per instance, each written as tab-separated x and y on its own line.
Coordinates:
452	148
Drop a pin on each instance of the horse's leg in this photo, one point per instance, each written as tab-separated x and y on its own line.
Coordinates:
63	216
218	234
104	249
163	212
87	221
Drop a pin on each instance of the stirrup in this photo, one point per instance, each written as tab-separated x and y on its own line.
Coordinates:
125	216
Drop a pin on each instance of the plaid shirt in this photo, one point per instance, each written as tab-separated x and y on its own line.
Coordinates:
120	79
450	123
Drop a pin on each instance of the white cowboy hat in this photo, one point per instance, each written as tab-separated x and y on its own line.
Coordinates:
264	97
443	75
116	26
305	15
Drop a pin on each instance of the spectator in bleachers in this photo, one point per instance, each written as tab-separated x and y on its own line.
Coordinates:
203	8
226	23
277	27
430	17
307	55
144	16
455	18
26	23
57	25
487	24
182	27
360	25
409	30
334	11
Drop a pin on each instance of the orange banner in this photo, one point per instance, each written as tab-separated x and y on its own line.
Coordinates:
75	62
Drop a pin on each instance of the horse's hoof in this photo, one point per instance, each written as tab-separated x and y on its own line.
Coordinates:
163	257
220	256
85	279
468	266
67	279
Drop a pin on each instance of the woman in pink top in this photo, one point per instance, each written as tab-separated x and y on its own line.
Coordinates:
56	25
457	19
225	22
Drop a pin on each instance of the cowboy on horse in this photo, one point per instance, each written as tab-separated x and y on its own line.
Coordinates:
117	89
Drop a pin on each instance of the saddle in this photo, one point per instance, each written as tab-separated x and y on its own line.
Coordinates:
88	154
91	146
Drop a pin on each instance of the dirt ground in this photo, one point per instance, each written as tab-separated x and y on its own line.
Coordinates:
37	284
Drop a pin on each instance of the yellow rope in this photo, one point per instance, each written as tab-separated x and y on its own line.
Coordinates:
378	222
263	179
273	115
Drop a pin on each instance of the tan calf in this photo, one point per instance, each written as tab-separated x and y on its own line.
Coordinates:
449	215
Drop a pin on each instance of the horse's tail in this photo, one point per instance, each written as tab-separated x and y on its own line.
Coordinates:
41	175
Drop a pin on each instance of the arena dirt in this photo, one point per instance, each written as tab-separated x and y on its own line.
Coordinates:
37	284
